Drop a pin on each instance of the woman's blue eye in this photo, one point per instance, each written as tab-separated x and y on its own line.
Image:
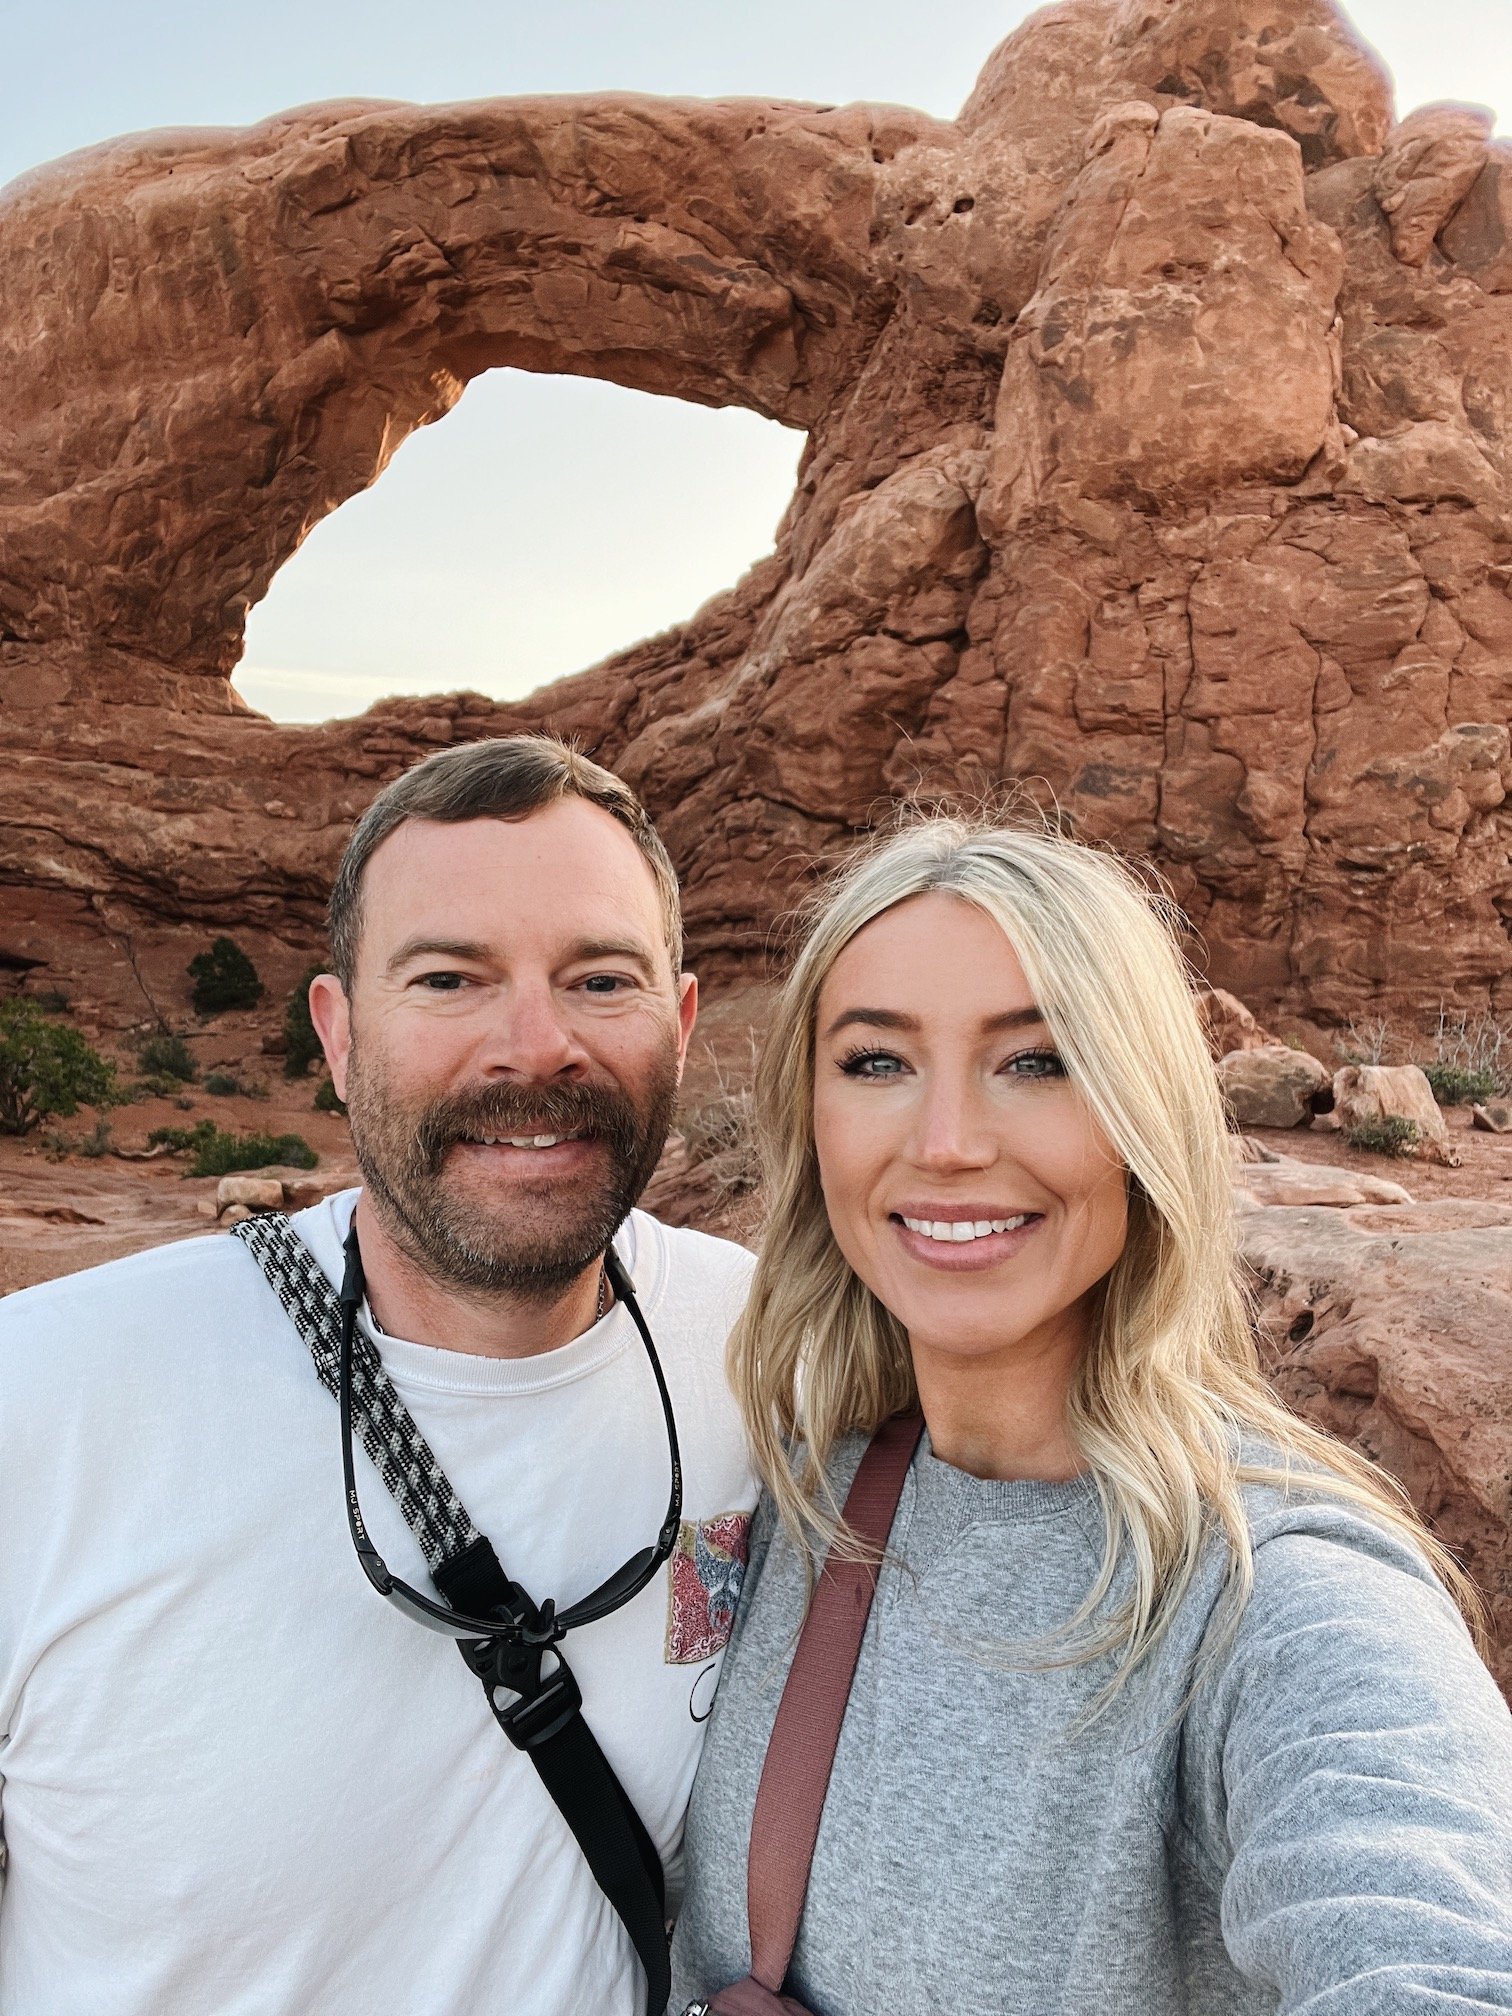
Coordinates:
871	1064
1038	1063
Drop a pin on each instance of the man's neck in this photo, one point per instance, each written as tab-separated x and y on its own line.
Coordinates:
407	1302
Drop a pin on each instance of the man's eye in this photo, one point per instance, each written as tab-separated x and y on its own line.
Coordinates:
1035	1064
605	984
872	1065
441	983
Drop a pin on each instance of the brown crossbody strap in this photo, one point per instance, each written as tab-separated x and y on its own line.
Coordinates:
801	1754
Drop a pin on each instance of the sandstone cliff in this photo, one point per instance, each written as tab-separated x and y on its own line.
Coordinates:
1158	453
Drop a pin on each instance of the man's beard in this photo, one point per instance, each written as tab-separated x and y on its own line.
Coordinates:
537	1245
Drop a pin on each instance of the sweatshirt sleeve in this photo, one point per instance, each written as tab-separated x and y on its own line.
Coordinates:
1348	1779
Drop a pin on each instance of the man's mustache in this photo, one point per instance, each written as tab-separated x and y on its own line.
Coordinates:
597	1112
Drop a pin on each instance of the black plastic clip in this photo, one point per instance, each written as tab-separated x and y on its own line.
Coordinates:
544	1703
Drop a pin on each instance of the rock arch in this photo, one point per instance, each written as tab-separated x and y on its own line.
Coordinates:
1157	414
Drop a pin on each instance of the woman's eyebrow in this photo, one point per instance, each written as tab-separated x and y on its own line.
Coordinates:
889	1018
873	1018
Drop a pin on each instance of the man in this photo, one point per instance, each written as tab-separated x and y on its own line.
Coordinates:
234	1778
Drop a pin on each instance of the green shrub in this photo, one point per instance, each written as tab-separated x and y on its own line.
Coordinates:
46	1069
165	1056
1458	1085
217	1153
1390	1135
179	1138
226	1085
325	1100
97	1141
224	977
303	1045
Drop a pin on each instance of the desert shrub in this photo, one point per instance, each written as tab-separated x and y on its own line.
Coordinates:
46	1069
224	977
1390	1135
1366	1040
325	1100
162	1055
226	1085
303	1047
1479	1044
218	1153
1454	1085
97	1141
179	1138
721	1136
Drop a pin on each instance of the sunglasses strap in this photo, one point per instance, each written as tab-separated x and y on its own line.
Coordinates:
542	1713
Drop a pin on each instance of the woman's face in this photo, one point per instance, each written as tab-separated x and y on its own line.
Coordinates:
966	1181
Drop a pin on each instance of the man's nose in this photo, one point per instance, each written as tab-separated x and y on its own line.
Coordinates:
532	1037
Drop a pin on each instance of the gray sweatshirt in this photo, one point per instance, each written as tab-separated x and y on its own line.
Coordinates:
1325	1826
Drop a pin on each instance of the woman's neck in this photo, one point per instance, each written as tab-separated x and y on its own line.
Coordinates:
1002	1415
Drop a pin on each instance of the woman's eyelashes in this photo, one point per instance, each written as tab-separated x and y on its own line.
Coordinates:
1045	1063
881	1066
871	1064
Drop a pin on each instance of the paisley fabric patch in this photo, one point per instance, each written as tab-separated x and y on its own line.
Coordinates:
704	1577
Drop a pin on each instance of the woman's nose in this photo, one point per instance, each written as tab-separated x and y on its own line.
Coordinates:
953	1127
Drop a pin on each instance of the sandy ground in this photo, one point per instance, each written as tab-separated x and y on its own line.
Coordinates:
61	1212
1485	1159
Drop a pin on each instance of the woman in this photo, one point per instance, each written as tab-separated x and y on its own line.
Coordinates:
1165	1707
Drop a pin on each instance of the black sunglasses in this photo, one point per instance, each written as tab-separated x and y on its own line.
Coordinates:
547	1625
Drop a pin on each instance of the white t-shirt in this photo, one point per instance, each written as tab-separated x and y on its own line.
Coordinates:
232	1778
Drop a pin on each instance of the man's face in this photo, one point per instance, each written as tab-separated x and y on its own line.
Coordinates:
512	1047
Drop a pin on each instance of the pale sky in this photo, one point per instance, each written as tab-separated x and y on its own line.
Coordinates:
548	521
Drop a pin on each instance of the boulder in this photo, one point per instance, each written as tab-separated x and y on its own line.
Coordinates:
1494	1117
1229	1024
1270	1086
1366	1093
254	1193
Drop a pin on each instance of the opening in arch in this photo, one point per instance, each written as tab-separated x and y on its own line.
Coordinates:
543	524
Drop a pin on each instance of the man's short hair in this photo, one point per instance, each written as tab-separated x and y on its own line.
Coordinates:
507	777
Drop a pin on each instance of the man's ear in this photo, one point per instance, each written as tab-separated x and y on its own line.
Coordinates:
687	1015
331	1013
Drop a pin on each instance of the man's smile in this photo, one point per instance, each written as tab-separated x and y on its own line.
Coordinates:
518	1140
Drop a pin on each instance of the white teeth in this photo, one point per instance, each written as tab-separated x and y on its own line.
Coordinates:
521	1140
956	1232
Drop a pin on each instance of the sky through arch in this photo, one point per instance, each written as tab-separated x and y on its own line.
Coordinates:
543	524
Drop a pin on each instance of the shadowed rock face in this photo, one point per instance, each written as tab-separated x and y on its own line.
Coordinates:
1388	1326
1158	418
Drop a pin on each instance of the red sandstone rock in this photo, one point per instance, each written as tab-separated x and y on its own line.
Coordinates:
1158	460
1365	1094
1229	1024
1392	1327
1270	1085
1269	1178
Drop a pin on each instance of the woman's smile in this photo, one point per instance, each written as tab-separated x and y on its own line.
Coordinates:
962	1238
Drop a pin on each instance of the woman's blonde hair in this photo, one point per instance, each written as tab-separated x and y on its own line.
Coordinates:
1168	1407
